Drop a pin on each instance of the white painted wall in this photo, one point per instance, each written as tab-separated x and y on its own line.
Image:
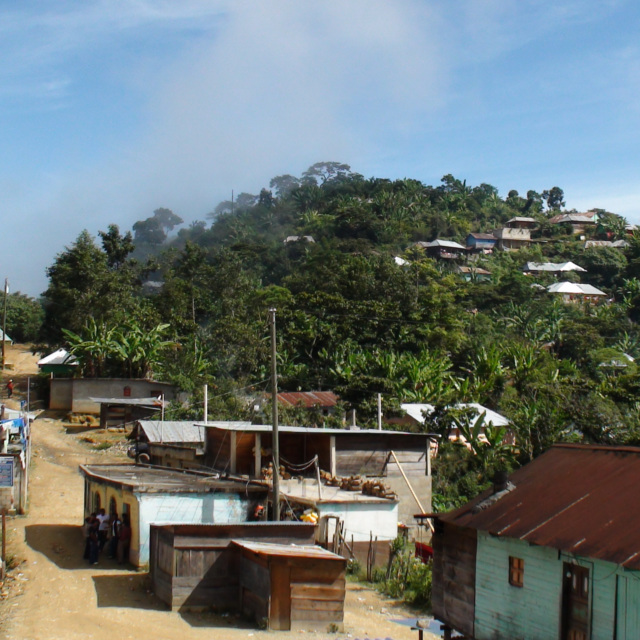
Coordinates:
362	518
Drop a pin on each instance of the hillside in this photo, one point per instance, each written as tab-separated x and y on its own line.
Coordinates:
364	308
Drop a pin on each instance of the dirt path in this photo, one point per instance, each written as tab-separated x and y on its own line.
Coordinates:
56	594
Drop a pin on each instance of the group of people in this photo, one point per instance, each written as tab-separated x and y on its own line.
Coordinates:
100	529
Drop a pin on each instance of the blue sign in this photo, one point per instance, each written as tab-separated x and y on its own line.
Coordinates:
6	471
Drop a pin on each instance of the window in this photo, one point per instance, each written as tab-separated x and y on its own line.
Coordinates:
516	571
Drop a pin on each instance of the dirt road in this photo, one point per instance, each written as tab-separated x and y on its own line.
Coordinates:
55	594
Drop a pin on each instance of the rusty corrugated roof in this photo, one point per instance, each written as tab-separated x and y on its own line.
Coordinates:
288	550
580	499
308	399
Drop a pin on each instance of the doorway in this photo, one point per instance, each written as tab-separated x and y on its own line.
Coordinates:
576	612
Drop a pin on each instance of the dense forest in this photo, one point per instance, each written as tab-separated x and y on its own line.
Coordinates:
192	307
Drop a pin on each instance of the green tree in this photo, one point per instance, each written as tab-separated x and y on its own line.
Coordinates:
24	317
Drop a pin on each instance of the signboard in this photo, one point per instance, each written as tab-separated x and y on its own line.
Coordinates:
6	471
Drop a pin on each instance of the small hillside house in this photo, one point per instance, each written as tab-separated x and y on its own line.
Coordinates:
515	234
577	222
575	292
481	242
152	495
83	395
442	249
551	552
554	268
59	362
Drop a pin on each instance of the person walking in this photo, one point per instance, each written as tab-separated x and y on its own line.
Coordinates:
9	388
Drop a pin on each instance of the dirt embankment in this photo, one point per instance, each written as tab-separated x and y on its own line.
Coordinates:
54	594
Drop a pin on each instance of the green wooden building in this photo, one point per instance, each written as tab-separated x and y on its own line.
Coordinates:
551	552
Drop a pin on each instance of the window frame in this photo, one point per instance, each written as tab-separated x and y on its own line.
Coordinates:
516	572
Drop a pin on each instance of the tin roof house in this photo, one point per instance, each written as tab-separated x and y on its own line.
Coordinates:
164	496
552	551
375	455
515	234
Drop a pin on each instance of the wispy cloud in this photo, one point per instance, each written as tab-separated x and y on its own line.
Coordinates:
135	104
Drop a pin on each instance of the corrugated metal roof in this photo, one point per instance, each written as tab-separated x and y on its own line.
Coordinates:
288	550
133	402
61	356
575	287
146	479
308	399
552	266
263	428
172	431
418	412
579	499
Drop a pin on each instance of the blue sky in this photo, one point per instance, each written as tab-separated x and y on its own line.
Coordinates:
111	109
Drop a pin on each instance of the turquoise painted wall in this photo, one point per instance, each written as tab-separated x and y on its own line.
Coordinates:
533	611
504	611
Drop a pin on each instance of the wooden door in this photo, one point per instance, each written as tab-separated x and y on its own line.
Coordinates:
576	613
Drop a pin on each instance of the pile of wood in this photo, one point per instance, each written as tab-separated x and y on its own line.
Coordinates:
356	483
267	473
378	490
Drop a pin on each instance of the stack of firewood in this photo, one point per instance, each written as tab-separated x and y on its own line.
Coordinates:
378	490
352	483
267	473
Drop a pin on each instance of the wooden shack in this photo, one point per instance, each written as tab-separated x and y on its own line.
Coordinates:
291	587
551	553
390	456
190	565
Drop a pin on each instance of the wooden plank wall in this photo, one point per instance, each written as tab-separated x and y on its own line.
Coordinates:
255	585
317	594
192	569
454	576
368	454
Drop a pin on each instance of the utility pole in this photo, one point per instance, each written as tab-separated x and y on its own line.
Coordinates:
275	447
4	319
205	393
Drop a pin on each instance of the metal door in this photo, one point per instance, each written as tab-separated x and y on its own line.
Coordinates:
576	614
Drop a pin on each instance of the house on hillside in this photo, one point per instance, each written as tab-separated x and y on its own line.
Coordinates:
168	443
516	234
550	552
554	268
325	401
417	412
59	362
481	242
579	222
575	292
290	239
596	244
81	395
442	249
163	496
473	274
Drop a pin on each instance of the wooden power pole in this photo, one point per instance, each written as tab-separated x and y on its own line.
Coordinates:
275	447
